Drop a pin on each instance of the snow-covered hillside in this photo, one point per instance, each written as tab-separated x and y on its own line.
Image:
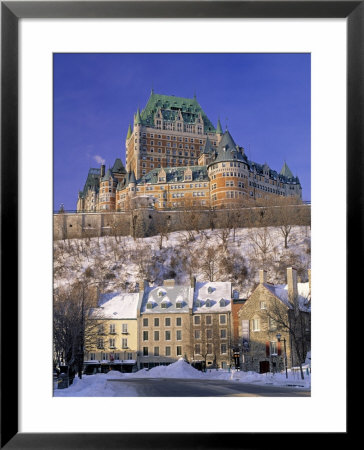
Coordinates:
118	263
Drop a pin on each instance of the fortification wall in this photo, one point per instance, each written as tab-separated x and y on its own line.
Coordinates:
145	222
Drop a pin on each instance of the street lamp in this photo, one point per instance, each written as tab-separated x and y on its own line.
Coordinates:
285	352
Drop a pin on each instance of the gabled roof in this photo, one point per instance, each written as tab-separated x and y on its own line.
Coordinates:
175	175
118	166
281	292
169	106
116	305
213	291
170	295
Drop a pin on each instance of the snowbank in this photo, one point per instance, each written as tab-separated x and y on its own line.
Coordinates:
179	369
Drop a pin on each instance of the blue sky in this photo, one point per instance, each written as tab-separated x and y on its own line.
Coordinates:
263	99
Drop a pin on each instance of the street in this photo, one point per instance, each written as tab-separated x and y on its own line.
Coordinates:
167	387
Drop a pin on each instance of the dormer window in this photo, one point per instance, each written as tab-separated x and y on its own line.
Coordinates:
209	290
208	303
164	305
222	302
198	303
149	305
179	304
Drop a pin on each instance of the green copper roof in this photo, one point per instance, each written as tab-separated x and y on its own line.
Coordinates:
138	120
176	174
227	150
169	106
92	181
118	166
129	132
107	175
218	128
208	149
286	171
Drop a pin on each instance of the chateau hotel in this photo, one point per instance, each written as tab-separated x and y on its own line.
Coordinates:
176	158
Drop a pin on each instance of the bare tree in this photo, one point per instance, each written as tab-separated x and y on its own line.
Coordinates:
72	333
296	323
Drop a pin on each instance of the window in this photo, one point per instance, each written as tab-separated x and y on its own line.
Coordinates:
198	349
145	351
222	319
167	321
197	320
112	343
168	335
208	320
209	334
272	324
263	305
104	356
101	329
197	334
179	335
255	325
145	322
156	351
92	356
145	335
168	351
124	343
209	349
179	350
156	335
149	305
179	304
223	348
222	302
156	322
178	321
125	328
208	303
129	356
223	333
100	343
273	348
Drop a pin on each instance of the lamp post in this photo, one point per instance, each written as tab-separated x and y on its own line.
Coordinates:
285	352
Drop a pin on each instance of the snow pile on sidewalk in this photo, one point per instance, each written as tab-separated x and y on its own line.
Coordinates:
179	369
94	386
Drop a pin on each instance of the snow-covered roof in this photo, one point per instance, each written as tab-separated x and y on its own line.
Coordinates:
116	305
281	292
168	296
214	292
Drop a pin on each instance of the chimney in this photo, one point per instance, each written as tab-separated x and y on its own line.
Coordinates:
168	283
292	284
309	279
142	285
193	282
262	276
102	171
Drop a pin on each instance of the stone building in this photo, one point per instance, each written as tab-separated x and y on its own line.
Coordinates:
114	344
164	324
211	325
176	158
271	310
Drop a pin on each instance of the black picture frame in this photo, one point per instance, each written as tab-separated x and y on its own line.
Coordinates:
11	12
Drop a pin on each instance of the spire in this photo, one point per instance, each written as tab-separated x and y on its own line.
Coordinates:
286	172
138	120
218	128
129	132
132	178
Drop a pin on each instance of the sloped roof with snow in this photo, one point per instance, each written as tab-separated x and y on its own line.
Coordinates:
281	292
213	291
169	296
116	305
